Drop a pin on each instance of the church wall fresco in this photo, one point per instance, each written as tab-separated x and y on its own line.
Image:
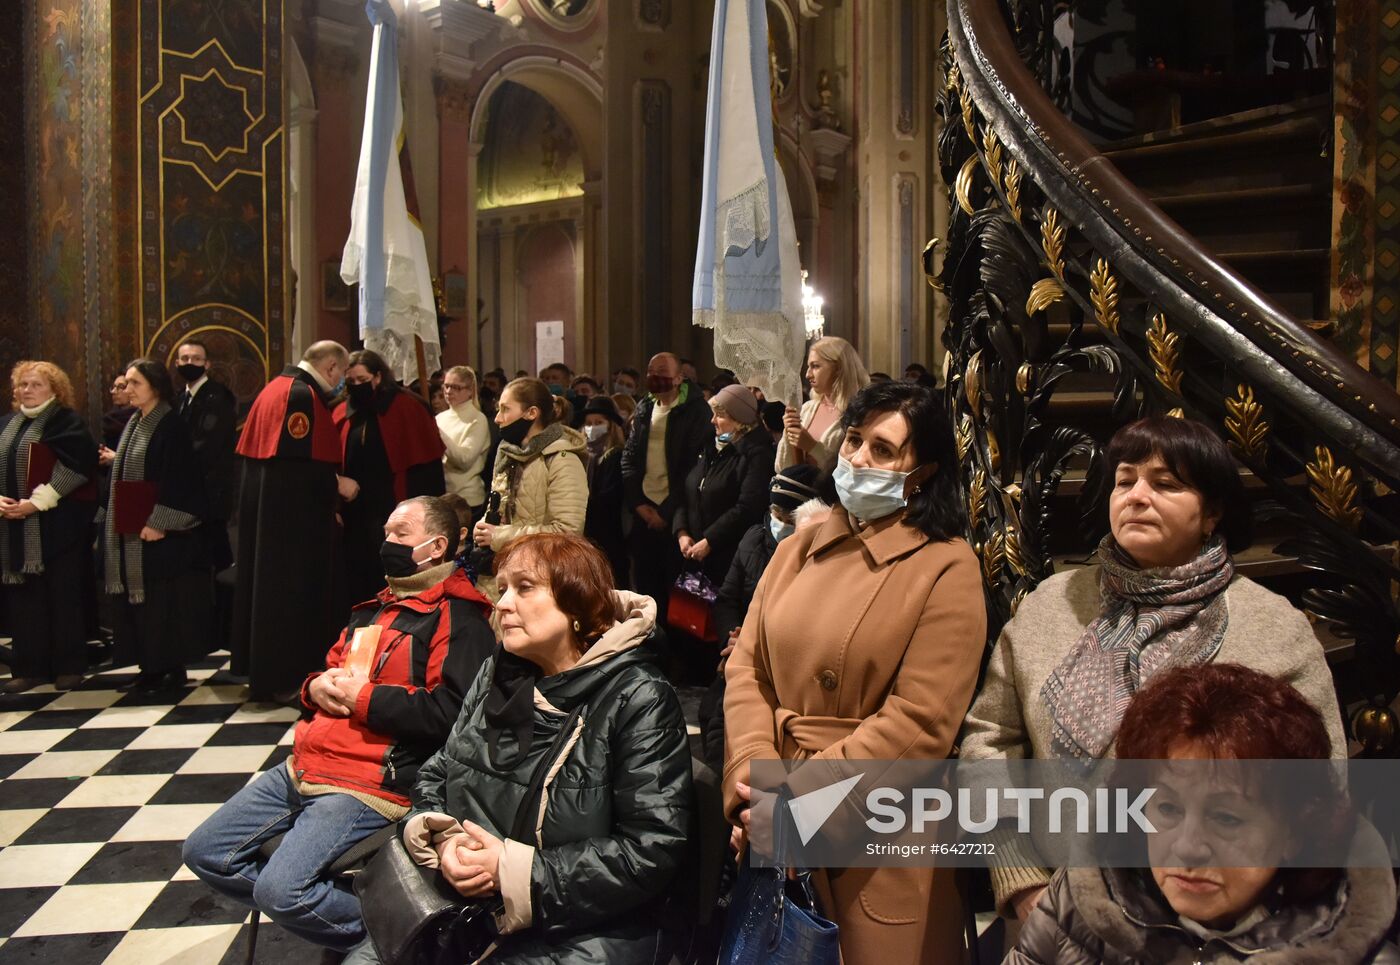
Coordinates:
205	175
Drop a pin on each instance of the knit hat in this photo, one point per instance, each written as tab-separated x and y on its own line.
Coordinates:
739	402
793	486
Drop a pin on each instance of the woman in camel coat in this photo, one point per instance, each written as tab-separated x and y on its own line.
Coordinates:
863	641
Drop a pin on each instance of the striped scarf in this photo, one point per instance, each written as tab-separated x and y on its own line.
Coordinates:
29	431
1148	620
123	551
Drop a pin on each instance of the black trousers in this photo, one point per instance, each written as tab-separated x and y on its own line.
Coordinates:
171	628
48	617
656	562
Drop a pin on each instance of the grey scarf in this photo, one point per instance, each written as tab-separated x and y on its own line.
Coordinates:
1148	620
124	551
29	432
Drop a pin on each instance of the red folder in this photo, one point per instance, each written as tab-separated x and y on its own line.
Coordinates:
42	460
132	503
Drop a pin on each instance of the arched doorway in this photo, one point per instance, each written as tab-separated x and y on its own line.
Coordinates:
536	135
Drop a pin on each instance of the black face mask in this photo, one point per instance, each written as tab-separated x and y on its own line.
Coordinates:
515	432
361	394
191	373
659	384
397	558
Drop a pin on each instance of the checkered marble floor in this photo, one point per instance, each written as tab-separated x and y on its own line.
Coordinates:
98	790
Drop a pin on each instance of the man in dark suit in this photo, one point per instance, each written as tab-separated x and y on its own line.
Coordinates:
210	410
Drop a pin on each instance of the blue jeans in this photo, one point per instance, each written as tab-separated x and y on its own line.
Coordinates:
293	887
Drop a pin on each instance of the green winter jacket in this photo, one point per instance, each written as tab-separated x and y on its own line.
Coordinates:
617	814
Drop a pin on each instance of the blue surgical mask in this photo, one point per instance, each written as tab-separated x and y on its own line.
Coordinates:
339	387
779	529
869	494
724	438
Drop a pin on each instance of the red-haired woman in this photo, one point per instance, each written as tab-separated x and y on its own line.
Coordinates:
48	461
1189	905
574	678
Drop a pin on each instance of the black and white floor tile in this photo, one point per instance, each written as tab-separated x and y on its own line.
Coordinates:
98	790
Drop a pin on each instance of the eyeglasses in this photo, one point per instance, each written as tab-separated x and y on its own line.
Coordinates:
451	387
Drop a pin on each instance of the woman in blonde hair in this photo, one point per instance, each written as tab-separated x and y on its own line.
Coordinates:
48	461
835	373
466	437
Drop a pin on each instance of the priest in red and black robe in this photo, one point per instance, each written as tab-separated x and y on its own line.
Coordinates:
393	451
285	603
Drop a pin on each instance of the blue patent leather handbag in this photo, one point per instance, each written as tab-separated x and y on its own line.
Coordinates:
774	920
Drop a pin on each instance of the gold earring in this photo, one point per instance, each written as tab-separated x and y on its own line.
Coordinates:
577	628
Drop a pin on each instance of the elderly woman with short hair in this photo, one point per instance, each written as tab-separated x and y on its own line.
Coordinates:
575	679
1191	904
48	462
1163	594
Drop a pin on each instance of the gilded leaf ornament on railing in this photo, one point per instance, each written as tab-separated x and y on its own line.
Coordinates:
965	103
993	552
1052	241
993	154
1012	186
962	186
1013	552
972	383
1163	349
1048	291
964	438
1245	422
1103	292
976	496
1332	488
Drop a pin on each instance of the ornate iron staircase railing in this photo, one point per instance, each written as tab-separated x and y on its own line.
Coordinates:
1059	271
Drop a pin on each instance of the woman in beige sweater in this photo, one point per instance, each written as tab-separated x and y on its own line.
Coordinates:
1164	594
835	373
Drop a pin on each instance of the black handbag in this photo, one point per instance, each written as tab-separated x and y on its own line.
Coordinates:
483	558
413	915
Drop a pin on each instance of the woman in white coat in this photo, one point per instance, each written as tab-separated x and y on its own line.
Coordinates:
467	436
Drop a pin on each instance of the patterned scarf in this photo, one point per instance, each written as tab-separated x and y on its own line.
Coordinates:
123	550
29	431
1148	620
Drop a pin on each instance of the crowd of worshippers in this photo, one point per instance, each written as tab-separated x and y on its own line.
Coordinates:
484	614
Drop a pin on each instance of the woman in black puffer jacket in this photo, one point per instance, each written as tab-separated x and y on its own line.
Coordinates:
591	883
727	490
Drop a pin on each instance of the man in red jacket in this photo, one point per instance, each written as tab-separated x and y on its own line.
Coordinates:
389	695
